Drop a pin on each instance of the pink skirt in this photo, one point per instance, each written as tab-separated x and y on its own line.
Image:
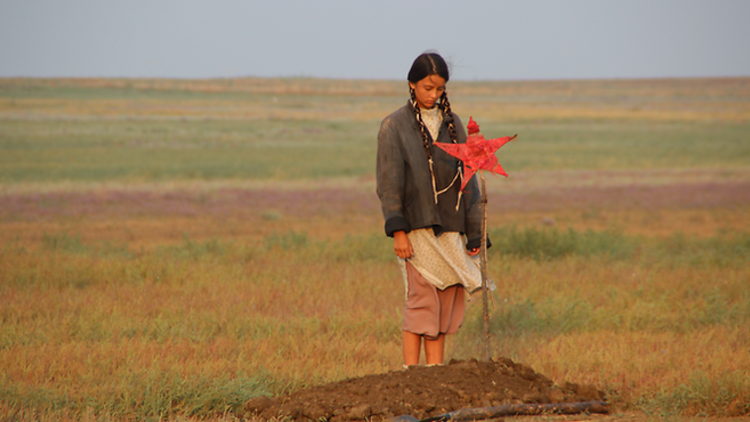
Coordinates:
430	311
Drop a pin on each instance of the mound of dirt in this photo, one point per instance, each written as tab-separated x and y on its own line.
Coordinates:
422	392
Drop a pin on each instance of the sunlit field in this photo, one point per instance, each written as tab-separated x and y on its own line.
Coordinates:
170	249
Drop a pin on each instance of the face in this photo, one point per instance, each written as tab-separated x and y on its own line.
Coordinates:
428	90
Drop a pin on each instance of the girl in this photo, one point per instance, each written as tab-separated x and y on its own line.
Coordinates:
436	228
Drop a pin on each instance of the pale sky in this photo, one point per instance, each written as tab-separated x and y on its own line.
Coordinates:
482	39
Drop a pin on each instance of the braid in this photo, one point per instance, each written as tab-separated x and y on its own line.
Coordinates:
425	65
448	115
422	128
425	141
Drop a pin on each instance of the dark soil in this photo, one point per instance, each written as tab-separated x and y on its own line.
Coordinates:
422	392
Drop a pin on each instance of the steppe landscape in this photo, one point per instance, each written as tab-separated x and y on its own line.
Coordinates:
176	249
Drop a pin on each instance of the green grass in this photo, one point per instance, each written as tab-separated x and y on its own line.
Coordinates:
622	145
543	244
143	395
551	243
49	151
189	320
167	150
703	394
195	328
273	144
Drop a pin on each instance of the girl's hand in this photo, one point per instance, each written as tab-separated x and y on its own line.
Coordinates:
473	252
402	245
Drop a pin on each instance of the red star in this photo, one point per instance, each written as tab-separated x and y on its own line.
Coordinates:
477	153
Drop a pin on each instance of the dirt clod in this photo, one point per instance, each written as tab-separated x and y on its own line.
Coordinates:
422	392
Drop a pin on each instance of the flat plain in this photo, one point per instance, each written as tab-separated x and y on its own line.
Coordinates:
170	249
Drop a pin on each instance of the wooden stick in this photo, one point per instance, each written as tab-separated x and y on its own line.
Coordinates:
485	278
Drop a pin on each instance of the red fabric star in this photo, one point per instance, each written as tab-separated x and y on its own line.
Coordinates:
477	153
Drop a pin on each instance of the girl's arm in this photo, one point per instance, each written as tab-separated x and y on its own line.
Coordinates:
402	245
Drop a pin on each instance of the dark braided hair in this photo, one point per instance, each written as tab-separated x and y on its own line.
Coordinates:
424	65
422	127
448	113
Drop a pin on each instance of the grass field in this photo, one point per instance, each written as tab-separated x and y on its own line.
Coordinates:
170	249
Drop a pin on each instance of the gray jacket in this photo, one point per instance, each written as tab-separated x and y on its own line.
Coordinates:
405	187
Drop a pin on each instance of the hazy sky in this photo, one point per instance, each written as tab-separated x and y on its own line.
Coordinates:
515	39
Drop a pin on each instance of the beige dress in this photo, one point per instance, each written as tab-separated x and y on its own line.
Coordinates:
442	260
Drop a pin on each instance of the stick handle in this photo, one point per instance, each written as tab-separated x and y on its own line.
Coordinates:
485	283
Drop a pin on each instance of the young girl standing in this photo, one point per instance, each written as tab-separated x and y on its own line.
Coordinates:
436	228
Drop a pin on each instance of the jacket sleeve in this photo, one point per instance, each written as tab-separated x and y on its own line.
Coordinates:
391	178
472	199
474	215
